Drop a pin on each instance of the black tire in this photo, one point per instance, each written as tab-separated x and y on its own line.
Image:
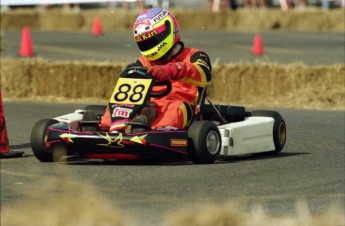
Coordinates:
204	142
97	109
279	129
38	136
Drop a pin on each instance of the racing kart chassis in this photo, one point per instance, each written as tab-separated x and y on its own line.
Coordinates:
215	130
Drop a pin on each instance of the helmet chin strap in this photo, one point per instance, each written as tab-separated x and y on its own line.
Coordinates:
173	52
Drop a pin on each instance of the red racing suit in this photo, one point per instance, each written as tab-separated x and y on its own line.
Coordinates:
192	70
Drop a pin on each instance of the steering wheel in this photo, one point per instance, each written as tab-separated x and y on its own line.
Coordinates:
165	92
166	83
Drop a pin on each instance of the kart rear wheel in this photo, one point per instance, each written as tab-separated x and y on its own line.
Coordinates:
38	138
279	129
204	142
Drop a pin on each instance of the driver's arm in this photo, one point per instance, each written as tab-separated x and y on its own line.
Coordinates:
195	70
190	67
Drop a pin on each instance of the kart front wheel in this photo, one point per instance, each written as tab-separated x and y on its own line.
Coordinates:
204	142
38	138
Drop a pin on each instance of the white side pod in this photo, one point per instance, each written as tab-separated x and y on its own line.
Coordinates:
253	135
72	119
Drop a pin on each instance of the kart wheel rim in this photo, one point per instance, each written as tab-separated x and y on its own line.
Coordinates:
212	142
282	133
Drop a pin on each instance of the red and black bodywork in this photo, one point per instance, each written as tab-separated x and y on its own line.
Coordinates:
115	145
130	95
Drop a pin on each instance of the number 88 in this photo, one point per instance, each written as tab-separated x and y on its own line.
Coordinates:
126	89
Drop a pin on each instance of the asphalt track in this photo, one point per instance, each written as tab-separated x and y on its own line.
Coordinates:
311	167
310	48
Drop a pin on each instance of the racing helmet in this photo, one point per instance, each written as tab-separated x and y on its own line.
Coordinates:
156	31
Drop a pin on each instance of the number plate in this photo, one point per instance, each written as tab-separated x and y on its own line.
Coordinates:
130	91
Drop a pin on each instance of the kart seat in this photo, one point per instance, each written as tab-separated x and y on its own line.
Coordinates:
90	121
222	113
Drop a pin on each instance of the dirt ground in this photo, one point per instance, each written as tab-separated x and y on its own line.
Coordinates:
77	211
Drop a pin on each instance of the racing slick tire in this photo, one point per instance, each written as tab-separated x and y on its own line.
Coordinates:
38	136
279	129
204	142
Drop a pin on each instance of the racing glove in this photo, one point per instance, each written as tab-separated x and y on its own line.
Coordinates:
164	72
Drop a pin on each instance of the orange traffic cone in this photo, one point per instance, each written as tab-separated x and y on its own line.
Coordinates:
97	26
4	145
257	46
25	45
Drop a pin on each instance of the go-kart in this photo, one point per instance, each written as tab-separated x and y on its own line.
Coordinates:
214	131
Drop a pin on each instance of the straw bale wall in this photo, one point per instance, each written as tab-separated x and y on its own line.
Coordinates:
312	19
259	84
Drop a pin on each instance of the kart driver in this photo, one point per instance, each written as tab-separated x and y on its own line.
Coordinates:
157	34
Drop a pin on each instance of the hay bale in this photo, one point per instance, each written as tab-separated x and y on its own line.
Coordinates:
276	85
59	20
195	20
17	19
241	19
16	78
31	78
234	213
314	20
258	19
112	20
63	205
259	84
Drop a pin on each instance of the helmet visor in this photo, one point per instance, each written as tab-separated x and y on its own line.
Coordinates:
154	40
